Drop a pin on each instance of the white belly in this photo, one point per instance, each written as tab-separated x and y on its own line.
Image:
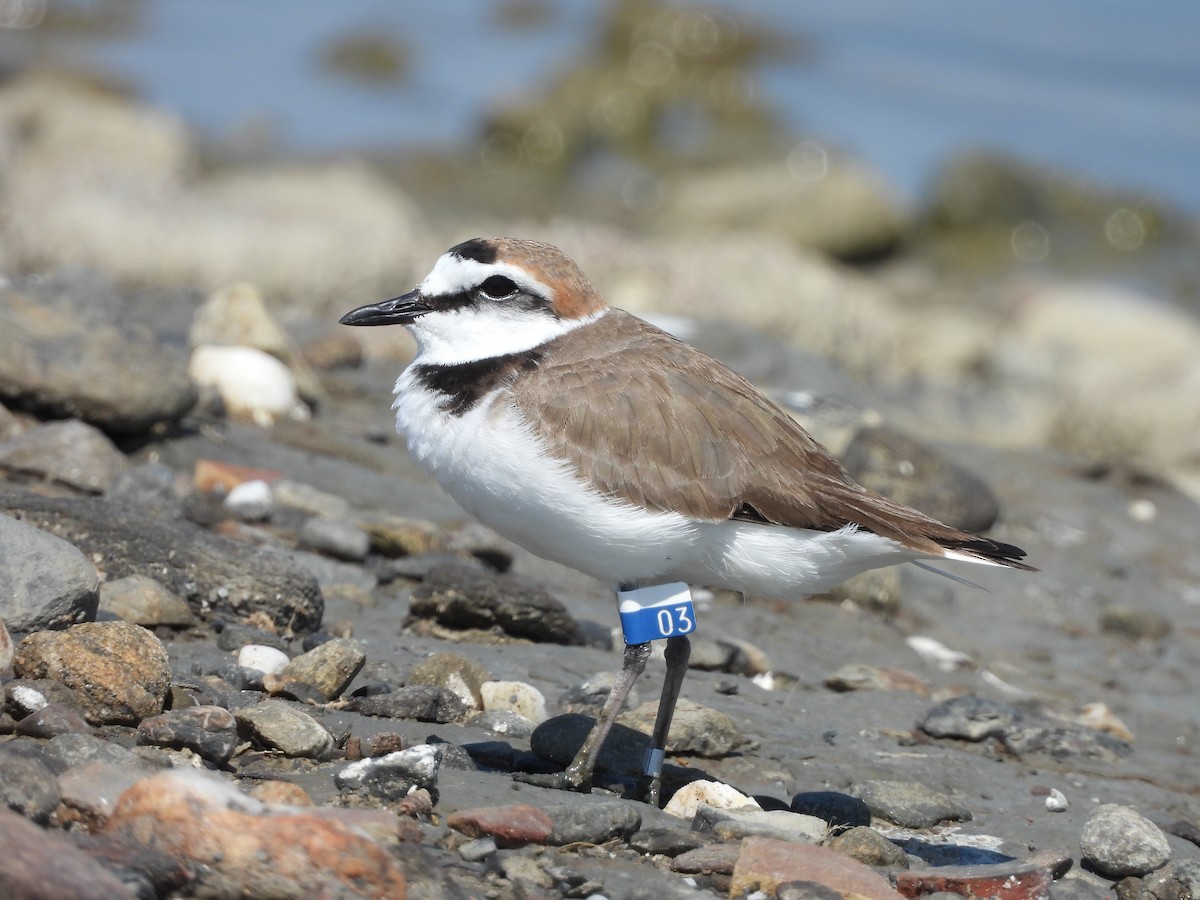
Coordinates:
499	472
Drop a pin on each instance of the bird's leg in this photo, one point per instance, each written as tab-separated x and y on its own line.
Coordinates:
678	650
578	775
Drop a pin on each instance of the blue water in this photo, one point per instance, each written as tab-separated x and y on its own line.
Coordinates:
1107	89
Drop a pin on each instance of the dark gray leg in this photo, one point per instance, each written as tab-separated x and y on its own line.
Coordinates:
578	775
677	652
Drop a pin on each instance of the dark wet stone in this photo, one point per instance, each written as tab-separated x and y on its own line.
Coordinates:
558	740
28	781
45	582
1189	831
53	719
45	863
593	823
462	597
147	871
969	718
71	345
491	754
909	472
424	703
232	636
70	452
838	809
211	572
666	841
209	731
910	804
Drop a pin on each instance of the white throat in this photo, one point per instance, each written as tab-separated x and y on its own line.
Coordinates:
470	334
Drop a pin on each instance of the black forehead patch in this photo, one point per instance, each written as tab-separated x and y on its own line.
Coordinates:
479	249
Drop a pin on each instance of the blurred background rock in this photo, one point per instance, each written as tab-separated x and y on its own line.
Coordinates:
988	212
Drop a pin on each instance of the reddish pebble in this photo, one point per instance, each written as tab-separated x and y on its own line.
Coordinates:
512	826
765	863
1004	881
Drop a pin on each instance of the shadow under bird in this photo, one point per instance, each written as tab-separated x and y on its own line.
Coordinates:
596	440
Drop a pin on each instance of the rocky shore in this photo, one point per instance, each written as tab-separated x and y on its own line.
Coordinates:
249	650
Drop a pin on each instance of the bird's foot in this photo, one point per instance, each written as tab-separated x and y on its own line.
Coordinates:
559	781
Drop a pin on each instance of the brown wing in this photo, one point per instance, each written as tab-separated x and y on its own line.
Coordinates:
658	403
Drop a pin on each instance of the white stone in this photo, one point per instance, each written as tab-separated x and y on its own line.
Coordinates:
686	801
262	658
251	500
28	699
1056	800
517	696
252	384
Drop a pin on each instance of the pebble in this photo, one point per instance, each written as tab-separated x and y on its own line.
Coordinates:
28	780
1056	801
329	667
69	452
514	825
865	677
765	864
1099	717
340	540
506	722
457	674
1117	841
1175	881
45	863
390	777
666	841
559	738
250	501
276	725
45	582
261	658
304	498
65	352
71	750
909	804
592	823
1015	880
936	653
514	696
868	846
833	807
783	825
1135	623
94	660
424	703
969	718
696	730
252	385
395	536
91	789
686	802
53	719
143	601
707	860
209	731
463	597
1065	741
909	472
234	845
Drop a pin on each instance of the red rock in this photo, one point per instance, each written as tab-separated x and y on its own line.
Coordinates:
512	826
213	475
1005	881
234	846
765	863
39	863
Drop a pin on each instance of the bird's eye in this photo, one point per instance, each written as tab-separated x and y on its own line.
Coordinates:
498	287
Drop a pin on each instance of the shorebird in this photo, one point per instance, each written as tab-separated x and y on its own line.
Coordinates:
594	439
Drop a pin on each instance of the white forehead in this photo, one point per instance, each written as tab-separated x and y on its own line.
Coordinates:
452	275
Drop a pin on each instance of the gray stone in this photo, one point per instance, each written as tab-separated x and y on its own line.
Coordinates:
71	452
53	719
1175	881
696	730
390	777
144	601
453	672
28	782
335	538
869	846
461	597
780	824
40	862
71	347
45	582
909	804
666	841
212	573
592	823
1065	741
276	725
505	722
209	731
1117	841
93	787
969	718
422	702
909	472
73	749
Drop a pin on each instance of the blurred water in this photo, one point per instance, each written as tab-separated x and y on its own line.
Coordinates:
1107	89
